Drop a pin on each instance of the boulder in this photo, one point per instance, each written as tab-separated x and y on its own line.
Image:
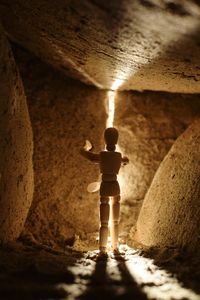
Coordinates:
16	148
64	113
149	123
170	215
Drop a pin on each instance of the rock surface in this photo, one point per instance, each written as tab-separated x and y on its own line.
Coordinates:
170	215
33	272
149	123
16	172
64	113
142	44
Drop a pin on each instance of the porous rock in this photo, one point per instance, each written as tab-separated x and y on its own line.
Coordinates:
16	147
138	45
64	113
170	215
149	123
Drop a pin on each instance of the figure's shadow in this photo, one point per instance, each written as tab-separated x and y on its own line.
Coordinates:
101	286
132	289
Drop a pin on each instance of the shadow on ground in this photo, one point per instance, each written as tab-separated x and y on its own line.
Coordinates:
38	272
101	286
181	264
28	272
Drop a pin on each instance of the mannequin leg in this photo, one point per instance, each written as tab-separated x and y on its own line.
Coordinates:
114	229
104	217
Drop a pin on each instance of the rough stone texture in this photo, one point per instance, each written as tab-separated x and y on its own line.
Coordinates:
30	272
142	44
64	113
170	215
148	123
16	172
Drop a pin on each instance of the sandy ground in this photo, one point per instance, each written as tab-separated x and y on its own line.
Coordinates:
38	272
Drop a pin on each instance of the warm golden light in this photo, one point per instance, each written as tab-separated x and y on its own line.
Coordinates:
155	282
110	108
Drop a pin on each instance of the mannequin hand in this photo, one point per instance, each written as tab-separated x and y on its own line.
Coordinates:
88	146
125	160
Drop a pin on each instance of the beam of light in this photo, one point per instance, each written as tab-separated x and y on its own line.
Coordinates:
152	280
110	101
157	283
110	108
110	105
117	83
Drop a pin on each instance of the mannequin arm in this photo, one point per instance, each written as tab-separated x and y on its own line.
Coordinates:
90	156
125	160
86	152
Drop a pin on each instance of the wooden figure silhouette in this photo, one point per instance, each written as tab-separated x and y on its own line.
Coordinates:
110	162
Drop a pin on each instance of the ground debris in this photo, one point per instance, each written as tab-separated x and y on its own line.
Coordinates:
28	272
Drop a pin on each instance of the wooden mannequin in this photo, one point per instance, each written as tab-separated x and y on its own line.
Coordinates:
110	162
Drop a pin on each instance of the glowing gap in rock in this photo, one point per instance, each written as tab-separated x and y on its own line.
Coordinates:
110	108
110	105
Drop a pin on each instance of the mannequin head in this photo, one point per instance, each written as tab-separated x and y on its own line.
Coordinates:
111	138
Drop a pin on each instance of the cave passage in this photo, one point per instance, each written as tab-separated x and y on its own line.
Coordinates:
67	72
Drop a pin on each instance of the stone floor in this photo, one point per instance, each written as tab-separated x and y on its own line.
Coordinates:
38	272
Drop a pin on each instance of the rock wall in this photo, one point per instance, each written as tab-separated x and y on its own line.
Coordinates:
170	215
138	45
16	148
64	113
149	123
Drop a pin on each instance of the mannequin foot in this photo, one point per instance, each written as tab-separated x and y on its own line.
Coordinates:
103	255
118	255
102	250
116	251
